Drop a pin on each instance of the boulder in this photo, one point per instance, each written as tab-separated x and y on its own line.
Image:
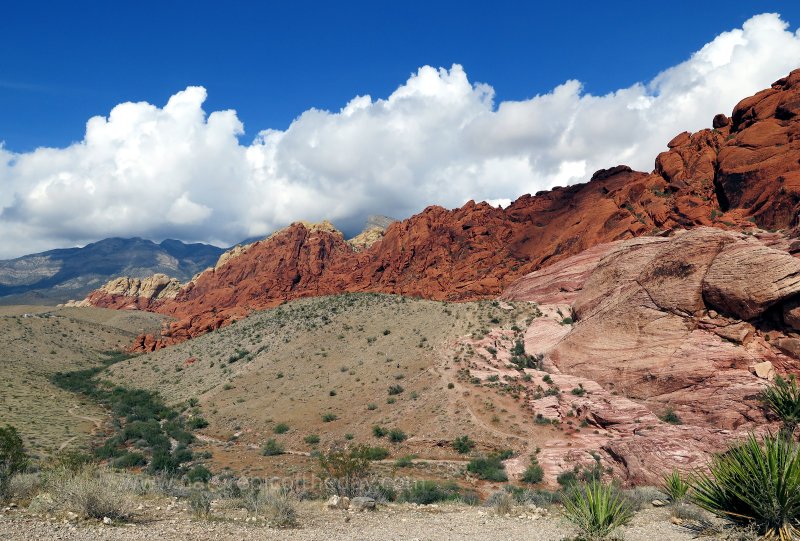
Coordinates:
764	370
362	503
338	502
747	278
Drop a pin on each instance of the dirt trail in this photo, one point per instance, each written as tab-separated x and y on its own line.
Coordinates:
97	424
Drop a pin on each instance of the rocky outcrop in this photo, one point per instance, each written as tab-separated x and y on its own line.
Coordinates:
725	177
687	323
128	293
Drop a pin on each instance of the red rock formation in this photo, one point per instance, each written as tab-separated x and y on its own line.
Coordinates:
745	169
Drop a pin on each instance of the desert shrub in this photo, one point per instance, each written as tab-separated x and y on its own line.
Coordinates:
22	487
13	458
533	473
329	417
200	503
404	461
199	474
196	422
280	428
130	460
344	469
397	436
539	497
463	444
675	486
579	390
755	483
503	502
395	389
642	497
311	439
272	448
379	431
274	505
669	416
70	460
687	511
374	453
567	478
427	492
782	399
488	468
92	492
380	492
596	509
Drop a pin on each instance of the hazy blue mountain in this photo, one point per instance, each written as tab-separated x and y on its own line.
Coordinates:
70	273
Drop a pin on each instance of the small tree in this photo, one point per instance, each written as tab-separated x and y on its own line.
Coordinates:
344	469
782	398
13	458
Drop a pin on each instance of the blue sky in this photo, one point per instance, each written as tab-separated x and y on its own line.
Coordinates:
64	62
216	122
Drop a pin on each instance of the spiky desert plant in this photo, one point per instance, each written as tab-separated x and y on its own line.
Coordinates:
597	509
782	397
755	483
675	486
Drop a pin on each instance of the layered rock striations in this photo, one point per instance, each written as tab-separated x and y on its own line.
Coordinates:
688	324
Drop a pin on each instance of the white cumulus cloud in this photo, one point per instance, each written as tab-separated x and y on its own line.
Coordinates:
175	171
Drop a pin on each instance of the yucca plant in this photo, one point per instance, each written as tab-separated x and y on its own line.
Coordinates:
675	486
755	483
597	509
782	397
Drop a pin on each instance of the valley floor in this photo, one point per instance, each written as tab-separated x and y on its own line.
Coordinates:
392	522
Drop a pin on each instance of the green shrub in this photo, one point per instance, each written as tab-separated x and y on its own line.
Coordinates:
379	431
13	458
197	422
199	474
311	439
488	468
428	492
280	428
397	436
130	460
755	483
329	417
533	473
596	509
463	444
675	486
579	390
272	448
374	453
344	469
669	416
782	398
395	389
404	462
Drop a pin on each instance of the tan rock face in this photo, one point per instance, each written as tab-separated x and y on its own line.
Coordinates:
747	278
134	293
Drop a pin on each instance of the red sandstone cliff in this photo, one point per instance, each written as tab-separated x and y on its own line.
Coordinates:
742	173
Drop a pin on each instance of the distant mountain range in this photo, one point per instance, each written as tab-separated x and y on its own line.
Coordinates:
57	276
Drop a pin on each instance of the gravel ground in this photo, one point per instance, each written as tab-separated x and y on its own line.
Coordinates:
448	522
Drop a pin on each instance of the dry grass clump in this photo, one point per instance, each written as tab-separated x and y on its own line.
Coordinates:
91	492
274	505
23	487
